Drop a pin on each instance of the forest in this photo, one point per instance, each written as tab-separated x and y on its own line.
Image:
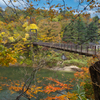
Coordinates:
24	68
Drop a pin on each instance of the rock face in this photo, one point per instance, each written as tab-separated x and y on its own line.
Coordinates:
66	68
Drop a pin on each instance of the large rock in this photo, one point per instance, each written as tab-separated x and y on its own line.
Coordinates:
66	68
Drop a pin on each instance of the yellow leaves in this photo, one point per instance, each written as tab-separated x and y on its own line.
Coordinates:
37	11
1	23
31	26
6	58
11	39
13	61
2	33
25	24
21	17
91	61
26	35
24	39
16	36
36	89
72	96
61	34
99	21
19	46
49	31
4	41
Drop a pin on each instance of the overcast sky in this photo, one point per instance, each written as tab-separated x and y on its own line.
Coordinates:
70	3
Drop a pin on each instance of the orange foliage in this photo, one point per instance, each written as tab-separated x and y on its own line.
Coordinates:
83	74
86	80
58	86
17	86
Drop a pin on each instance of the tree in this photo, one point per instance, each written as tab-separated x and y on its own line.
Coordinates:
69	32
49	31
1	10
81	30
95	19
78	32
92	32
9	10
75	32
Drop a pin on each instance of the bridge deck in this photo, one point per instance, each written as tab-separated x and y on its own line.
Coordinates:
83	50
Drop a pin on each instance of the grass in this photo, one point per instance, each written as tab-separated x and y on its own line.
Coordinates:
75	59
78	62
72	59
17	73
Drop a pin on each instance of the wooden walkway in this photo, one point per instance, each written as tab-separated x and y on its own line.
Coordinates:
83	50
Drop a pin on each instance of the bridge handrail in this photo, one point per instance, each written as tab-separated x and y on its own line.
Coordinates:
71	47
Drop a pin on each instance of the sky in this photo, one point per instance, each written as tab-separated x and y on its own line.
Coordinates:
70	3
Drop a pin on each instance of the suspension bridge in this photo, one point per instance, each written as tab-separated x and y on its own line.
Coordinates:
87	50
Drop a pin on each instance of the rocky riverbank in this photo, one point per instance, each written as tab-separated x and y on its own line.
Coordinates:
66	68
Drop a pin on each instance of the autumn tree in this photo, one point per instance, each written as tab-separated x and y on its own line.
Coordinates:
49	31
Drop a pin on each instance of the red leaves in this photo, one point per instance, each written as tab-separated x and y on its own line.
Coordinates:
56	87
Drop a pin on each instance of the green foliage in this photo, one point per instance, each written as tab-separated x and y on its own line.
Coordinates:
55	19
92	32
78	32
88	88
81	30
69	32
95	19
75	32
78	62
80	93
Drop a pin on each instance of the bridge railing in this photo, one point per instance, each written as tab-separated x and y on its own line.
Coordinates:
87	49
77	48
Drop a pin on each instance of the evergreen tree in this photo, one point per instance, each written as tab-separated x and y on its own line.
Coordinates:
81	30
95	19
92	34
69	32
75	32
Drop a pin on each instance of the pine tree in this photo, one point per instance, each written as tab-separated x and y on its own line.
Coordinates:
92	32
81	30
